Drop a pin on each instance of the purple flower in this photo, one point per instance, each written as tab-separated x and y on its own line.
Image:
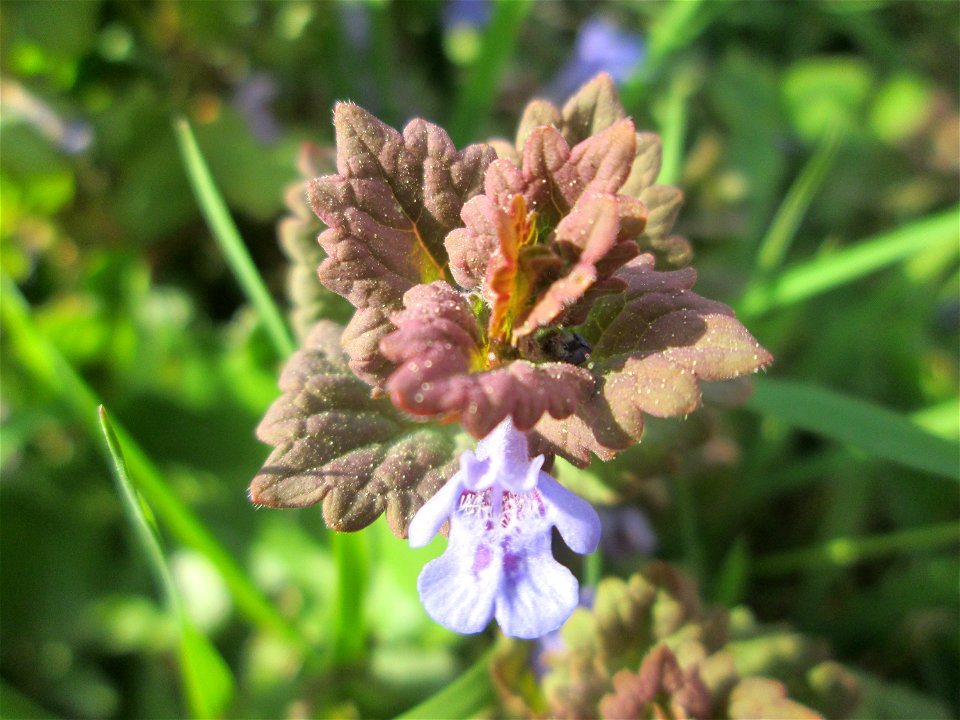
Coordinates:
601	47
498	562
253	98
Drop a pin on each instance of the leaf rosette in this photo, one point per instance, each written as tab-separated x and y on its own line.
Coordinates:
527	286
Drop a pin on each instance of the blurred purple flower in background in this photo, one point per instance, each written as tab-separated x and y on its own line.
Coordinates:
626	532
252	98
70	136
601	47
466	13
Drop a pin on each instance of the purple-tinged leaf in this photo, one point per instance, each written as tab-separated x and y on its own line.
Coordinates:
443	371
660	688
334	444
651	346
388	209
592	109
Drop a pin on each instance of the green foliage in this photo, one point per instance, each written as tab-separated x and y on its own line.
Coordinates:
816	147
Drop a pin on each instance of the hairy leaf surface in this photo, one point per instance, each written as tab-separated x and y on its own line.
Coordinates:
443	369
389	207
335	445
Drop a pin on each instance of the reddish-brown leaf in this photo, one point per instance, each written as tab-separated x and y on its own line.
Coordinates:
443	370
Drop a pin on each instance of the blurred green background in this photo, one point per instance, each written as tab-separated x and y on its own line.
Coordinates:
818	146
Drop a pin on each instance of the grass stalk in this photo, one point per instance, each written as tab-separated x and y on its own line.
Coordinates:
465	697
775	245
225	232
846	551
477	94
814	277
874	429
208	684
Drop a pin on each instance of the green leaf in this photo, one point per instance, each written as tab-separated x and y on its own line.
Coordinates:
813	277
228	237
876	430
207	680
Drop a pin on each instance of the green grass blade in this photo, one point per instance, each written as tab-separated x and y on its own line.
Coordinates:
218	218
775	245
483	79
207	681
875	430
673	28
674	125
51	371
817	276
730	581
942	419
465	697
846	551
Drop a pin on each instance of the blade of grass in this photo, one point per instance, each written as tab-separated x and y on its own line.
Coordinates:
875	430
942	419
677	25
208	684
846	551
813	277
775	245
685	505
476	97
465	697
225	232
673	124
51	371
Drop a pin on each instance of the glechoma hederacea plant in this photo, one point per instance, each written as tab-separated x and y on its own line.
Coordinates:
515	289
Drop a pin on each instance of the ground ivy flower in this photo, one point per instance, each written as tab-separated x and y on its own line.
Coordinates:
501	508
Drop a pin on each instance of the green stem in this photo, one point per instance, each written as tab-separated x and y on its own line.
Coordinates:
846	551
225	232
813	277
463	698
775	245
687	519
351	552
479	91
674	126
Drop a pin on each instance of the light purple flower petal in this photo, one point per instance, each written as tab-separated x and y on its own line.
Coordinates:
458	588
475	472
575	518
510	464
537	594
435	511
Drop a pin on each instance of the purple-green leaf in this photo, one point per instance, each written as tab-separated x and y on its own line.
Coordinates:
389	207
335	445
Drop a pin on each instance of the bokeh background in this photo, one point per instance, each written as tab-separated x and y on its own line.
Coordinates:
817	144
